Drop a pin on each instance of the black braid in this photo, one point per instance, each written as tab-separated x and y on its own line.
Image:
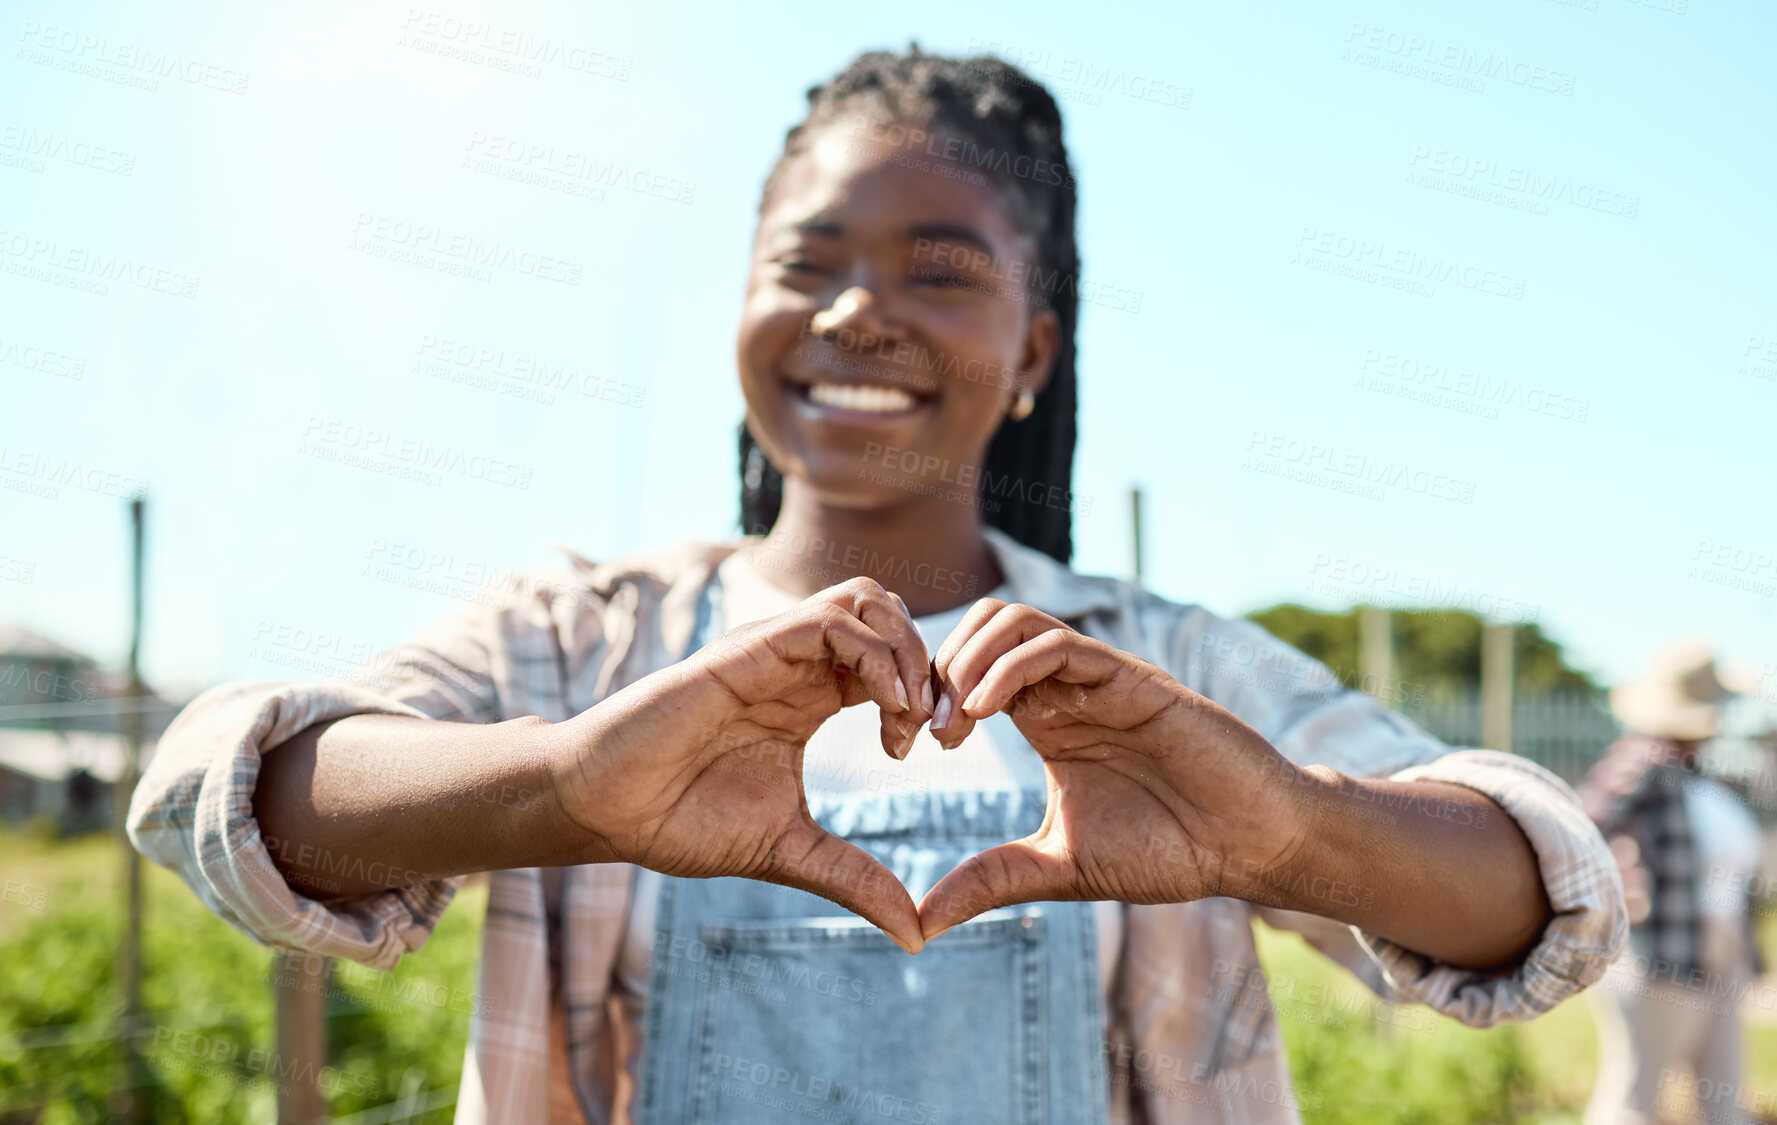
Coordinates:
996	107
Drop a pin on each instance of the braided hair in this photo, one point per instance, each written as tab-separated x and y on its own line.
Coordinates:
999	109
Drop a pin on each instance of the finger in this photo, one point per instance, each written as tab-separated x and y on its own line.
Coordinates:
886	615
1007	630
949	725
898	734
1020	871
812	859
924	672
866	657
1059	653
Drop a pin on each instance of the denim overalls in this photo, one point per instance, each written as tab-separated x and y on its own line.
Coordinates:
768	1004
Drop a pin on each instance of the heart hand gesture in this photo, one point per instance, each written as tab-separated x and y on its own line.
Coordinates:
696	770
1155	793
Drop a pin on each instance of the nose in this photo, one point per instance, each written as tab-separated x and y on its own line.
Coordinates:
856	310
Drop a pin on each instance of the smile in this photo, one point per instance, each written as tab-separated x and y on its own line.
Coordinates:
857	398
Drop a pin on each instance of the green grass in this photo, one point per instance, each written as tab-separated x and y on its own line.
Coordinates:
208	995
1416	1066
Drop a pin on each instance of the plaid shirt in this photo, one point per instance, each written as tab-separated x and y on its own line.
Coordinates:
1637	791
1191	1032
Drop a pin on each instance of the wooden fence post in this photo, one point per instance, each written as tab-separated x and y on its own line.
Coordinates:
300	983
1496	685
1375	653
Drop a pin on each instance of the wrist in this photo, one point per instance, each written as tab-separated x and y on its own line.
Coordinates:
1303	863
562	753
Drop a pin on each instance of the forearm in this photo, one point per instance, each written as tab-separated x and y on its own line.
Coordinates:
1434	867
375	801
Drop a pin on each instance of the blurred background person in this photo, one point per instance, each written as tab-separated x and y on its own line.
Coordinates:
1668	1018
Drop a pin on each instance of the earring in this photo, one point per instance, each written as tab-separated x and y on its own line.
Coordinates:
1026	403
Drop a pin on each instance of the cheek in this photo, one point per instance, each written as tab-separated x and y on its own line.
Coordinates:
770	327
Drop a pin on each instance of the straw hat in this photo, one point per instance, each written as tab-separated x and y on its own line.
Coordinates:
1680	697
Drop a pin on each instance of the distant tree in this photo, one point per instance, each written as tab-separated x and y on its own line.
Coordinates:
1438	649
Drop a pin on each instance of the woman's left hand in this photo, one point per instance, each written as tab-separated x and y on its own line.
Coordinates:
1155	793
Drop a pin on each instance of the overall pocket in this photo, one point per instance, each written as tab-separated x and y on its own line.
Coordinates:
826	1019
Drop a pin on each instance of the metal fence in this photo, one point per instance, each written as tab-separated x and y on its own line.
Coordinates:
1564	732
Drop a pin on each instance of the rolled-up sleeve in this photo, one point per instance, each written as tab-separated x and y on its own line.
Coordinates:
193	809
1303	710
193	812
1588	923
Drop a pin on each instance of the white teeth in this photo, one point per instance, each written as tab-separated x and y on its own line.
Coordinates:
872	400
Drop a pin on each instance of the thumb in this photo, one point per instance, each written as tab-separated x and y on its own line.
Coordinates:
1020	871
812	859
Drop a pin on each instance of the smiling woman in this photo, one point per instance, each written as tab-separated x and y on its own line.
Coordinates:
702	908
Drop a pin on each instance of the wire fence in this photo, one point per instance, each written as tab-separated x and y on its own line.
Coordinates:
1564	732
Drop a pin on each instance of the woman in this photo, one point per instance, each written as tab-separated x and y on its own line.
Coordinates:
1126	778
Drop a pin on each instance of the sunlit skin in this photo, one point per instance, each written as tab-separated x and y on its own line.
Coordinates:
1156	794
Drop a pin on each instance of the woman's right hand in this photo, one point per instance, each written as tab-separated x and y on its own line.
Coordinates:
696	770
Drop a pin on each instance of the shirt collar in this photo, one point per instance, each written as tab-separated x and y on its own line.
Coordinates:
1038	580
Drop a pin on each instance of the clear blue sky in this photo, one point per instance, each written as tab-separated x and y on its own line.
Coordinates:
1591	438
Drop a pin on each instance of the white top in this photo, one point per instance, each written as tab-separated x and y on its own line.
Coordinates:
845	756
1728	844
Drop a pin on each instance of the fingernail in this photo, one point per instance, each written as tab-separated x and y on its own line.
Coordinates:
973	699
941	717
907	741
900	693
925	697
